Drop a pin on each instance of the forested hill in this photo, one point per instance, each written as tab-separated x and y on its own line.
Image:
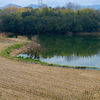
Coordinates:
49	20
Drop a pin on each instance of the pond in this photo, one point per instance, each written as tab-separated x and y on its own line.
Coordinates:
70	50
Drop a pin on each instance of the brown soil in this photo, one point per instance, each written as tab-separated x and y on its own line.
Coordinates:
23	81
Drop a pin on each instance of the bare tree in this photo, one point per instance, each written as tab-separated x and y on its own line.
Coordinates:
32	49
69	5
73	6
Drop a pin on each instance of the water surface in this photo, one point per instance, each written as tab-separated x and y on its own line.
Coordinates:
71	50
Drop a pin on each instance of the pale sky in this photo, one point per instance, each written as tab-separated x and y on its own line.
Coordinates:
49	2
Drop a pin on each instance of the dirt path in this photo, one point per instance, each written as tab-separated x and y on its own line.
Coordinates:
22	81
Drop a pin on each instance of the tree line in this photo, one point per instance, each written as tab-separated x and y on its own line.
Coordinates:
49	20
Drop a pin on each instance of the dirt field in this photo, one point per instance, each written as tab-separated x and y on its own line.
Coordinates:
22	81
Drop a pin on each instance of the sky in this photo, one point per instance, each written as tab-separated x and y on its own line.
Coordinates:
53	3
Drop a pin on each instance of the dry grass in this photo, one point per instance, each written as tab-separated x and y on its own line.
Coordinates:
2	37
22	81
22	37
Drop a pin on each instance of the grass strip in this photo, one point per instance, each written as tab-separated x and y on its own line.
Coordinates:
6	52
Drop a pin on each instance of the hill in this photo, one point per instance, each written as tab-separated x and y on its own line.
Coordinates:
36	6
31	5
9	5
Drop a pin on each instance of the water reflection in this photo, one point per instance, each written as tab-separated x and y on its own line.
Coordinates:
80	61
71	50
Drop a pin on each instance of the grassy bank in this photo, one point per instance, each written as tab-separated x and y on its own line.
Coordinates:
6	52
